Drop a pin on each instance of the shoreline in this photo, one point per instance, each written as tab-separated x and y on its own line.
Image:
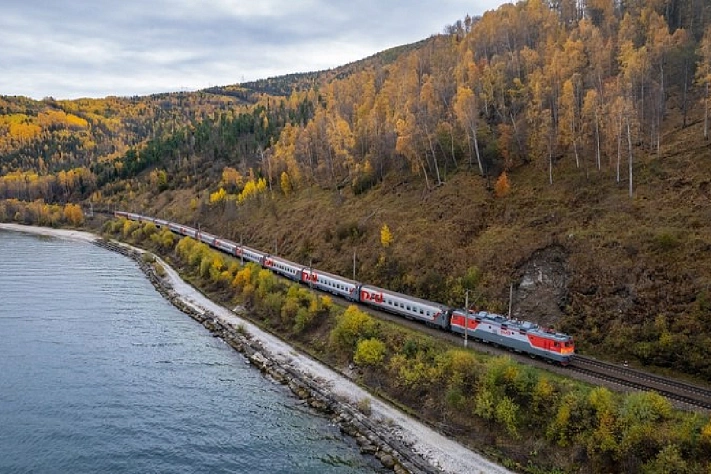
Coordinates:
400	442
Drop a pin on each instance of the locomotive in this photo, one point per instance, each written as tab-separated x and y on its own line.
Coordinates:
517	335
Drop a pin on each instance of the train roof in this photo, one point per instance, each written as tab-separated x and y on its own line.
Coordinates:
404	296
331	275
518	324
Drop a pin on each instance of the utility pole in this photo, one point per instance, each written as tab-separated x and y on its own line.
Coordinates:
510	299
354	264
311	274
241	250
466	317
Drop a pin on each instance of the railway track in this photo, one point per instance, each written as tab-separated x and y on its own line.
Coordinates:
684	394
675	390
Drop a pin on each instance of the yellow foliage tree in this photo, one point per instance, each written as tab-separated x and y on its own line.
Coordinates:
252	189
232	178
73	214
285	183
386	237
218	196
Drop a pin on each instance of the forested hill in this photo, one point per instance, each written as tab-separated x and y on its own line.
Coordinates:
560	147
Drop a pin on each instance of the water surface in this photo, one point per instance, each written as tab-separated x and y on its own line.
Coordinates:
98	373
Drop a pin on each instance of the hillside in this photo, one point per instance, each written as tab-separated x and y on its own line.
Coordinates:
498	155
625	276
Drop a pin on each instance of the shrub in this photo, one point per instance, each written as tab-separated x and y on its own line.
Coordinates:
303	319
369	352
160	271
666	241
290	308
272	304
364	406
352	326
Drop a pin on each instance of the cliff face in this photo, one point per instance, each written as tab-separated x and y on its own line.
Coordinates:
542	292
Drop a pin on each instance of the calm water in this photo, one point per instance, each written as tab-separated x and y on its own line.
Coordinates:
98	373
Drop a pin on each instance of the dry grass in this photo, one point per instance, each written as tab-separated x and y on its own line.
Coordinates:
626	259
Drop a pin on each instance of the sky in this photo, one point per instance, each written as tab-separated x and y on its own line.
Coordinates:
96	48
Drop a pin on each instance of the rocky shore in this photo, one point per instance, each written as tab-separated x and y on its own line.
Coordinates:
399	441
391	453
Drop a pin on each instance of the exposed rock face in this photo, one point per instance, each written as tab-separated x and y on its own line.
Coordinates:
542	291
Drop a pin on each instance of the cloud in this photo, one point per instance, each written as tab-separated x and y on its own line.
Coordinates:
81	48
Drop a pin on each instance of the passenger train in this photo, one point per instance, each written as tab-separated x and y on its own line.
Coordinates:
520	336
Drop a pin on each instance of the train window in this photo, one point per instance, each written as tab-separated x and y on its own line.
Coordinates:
421	311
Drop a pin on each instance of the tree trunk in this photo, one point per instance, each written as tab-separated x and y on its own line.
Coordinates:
575	149
424	170
597	141
434	156
454	157
706	112
476	149
619	148
575	143
518	139
629	144
686	87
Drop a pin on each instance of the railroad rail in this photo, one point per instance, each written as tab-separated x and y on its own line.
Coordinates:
672	389
684	394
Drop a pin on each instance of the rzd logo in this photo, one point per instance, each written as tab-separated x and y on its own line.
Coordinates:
368	296
306	276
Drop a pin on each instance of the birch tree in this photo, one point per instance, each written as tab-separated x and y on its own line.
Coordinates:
467	112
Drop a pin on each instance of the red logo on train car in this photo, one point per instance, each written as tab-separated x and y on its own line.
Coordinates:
366	295
306	276
268	262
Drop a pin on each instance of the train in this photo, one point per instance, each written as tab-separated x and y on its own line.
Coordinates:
518	335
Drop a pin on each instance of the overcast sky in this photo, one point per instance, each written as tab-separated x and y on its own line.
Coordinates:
95	48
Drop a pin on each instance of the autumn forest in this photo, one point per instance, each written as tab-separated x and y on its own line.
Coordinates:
564	142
